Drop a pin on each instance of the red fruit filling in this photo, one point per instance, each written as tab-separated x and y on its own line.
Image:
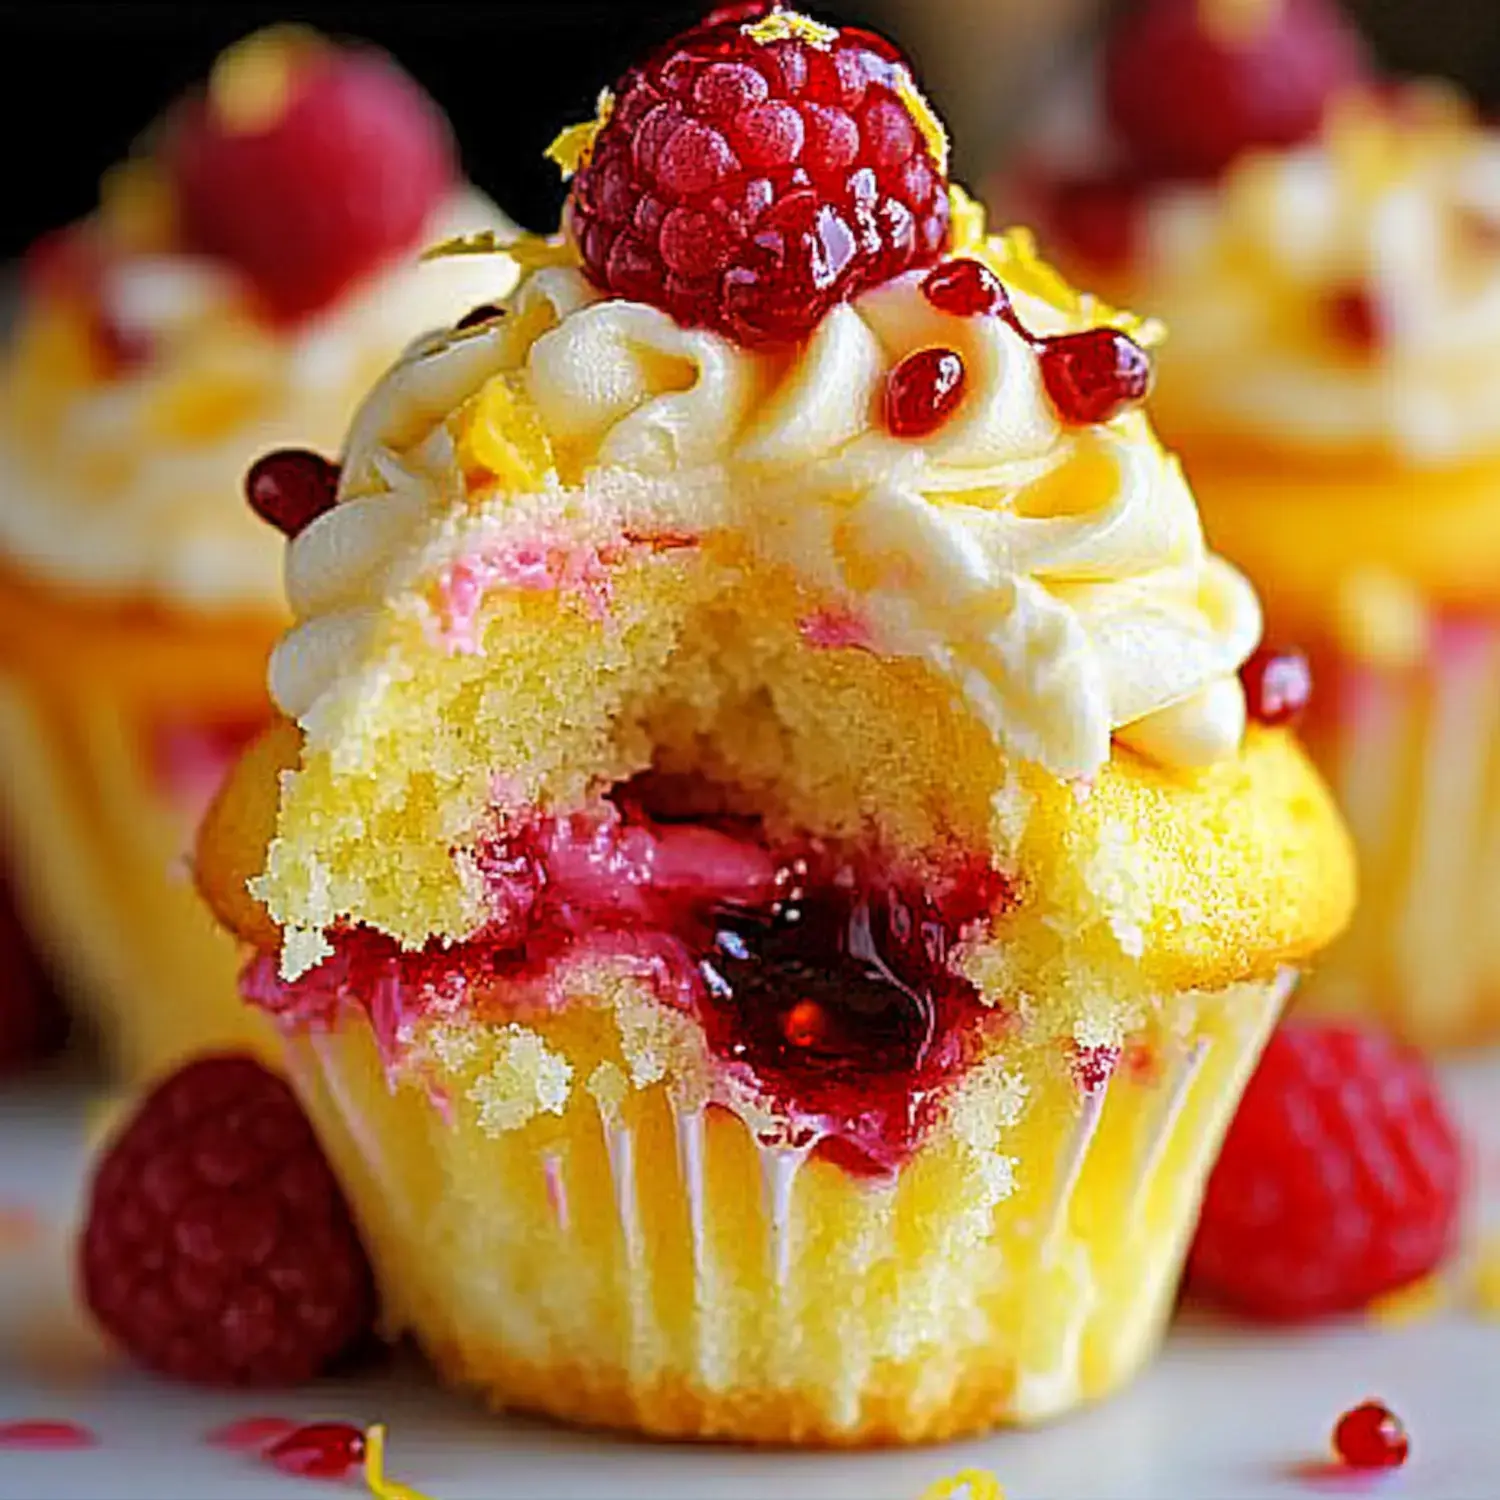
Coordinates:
291	488
1187	95
1371	1436
1354	319
1278	685
824	983
1094	375
923	391
321	1450
749	185
1340	1178
966	289
341	181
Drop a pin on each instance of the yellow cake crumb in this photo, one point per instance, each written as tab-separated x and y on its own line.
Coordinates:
967	1484
524	1079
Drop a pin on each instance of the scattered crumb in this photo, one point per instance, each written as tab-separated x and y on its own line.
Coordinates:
1416	1302
970	1484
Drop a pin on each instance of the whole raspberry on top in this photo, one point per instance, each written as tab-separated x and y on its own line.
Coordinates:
307	166
218	1247
755	172
1191	84
1340	1178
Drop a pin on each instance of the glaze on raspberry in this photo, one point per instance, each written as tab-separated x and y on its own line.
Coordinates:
291	488
823	984
750	185
1371	1436
923	391
1095	375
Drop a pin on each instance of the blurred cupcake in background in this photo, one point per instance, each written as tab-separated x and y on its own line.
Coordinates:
245	276
1332	380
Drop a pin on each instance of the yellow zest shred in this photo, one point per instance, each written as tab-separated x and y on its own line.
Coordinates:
926	120
1416	1302
1487	1277
375	1481
967	219
572	148
480	242
786	25
501	435
251	83
969	1484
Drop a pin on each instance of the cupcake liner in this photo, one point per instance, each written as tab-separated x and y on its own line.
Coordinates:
98	834
1413	754
635	1255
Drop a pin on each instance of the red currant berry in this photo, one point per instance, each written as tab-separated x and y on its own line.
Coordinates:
1278	686
922	392
1371	1436
323	1450
291	488
1094	375
966	289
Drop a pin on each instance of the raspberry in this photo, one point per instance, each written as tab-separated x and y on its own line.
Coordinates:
340	180
1188	97
750	176
1340	1178
218	1247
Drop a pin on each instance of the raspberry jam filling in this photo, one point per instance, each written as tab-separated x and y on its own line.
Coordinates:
824	981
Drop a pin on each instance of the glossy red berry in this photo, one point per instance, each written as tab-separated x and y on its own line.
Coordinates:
1340	1178
341	182
747	179
218	1248
1371	1436
966	289
1187	94
1094	375
923	391
322	1450
291	488
1278	685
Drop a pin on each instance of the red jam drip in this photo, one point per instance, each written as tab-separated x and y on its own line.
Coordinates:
923	391
1371	1436
823	982
291	488
966	289
322	1450
1094	375
46	1435
1278	686
250	1434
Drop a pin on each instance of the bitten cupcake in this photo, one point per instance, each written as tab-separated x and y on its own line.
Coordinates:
1332	383
765	880
246	276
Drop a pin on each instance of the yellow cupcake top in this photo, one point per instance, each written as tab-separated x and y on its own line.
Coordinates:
144	378
1055	575
1340	297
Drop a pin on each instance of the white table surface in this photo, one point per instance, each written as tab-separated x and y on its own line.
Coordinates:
1226	1414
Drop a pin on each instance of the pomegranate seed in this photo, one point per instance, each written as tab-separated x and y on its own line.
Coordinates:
967	289
1371	1436
1278	685
486	312
1094	375
1354	319
922	392
323	1450
291	488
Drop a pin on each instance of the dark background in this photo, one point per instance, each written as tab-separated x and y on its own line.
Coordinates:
78	81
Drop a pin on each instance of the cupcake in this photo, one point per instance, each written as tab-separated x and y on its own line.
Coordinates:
763	875
246	276
1332	382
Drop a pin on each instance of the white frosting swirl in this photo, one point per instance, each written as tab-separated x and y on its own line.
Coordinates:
1056	575
1399	207
134	485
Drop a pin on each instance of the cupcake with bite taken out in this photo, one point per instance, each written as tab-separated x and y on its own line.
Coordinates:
246	276
1332	383
764	876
